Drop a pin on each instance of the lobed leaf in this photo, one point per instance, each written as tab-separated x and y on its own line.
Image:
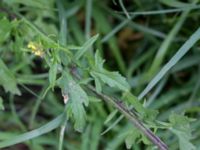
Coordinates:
7	79
113	79
77	98
181	128
131	138
52	74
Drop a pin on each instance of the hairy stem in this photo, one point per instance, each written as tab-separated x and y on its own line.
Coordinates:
127	113
138	124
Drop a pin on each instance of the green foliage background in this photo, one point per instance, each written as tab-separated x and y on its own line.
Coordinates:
80	74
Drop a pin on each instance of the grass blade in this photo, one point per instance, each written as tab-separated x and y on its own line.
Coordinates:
179	54
124	9
166	44
34	133
86	46
88	18
163	11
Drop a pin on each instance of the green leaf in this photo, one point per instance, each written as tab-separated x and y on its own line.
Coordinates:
146	114
77	98
145	140
133	135
7	79
134	102
110	127
181	128
34	133
96	134
98	61
110	116
5	29
113	79
97	83
184	140
94	99
52	74
1	104
85	81
86	46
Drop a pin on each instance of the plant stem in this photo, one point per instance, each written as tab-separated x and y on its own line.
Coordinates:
127	113
62	132
138	124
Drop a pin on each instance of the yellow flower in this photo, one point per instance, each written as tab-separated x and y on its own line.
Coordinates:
32	46
36	49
